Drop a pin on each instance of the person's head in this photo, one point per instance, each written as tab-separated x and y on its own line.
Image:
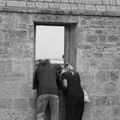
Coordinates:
70	67
65	68
46	63
39	63
57	67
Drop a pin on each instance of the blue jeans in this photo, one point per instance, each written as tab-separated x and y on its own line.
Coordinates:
42	102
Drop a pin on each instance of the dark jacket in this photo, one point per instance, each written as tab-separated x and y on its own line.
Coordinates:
46	81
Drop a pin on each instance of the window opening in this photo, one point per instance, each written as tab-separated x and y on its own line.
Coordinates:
50	43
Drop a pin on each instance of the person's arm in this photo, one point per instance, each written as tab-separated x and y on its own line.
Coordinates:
65	84
58	81
35	83
79	78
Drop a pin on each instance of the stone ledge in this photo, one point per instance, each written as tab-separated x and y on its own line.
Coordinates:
60	12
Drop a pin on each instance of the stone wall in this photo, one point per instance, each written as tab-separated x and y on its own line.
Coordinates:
98	61
111	7
16	67
97	44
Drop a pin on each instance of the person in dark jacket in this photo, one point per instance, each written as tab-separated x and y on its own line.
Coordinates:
73	92
46	82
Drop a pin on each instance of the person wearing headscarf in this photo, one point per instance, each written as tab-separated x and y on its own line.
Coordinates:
73	93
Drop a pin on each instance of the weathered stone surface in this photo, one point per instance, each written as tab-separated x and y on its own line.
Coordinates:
110	88
101	76
100	8
5	66
102	38
113	38
92	38
102	101
97	47
21	104
113	75
5	103
114	100
116	110
41	5
102	112
16	3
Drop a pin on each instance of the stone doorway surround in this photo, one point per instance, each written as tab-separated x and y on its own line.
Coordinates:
69	24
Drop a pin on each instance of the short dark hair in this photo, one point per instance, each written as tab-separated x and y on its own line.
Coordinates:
46	62
65	65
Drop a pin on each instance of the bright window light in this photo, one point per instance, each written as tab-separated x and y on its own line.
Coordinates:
50	43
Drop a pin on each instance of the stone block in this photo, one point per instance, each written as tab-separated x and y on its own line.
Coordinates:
114	100
5	103
21	104
5	90
100	8
91	38
87	111
118	2
9	22
18	35
106	2
116	118
22	26
33	0
6	66
31	4
41	5
112	2
19	66
102	38
78	1
113	8
32	10
81	7
89	1
12	77
58	1
64	1
87	77
32	103
113	75
110	88
64	6
18	115
101	76
74	7
48	0
90	7
5	115
112	38
101	113
98	1
16	3
116	110
22	51
102	101
105	66
17	89
54	5
2	3
97	54
72	1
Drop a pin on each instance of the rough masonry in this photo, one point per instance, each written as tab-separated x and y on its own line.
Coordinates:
96	43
